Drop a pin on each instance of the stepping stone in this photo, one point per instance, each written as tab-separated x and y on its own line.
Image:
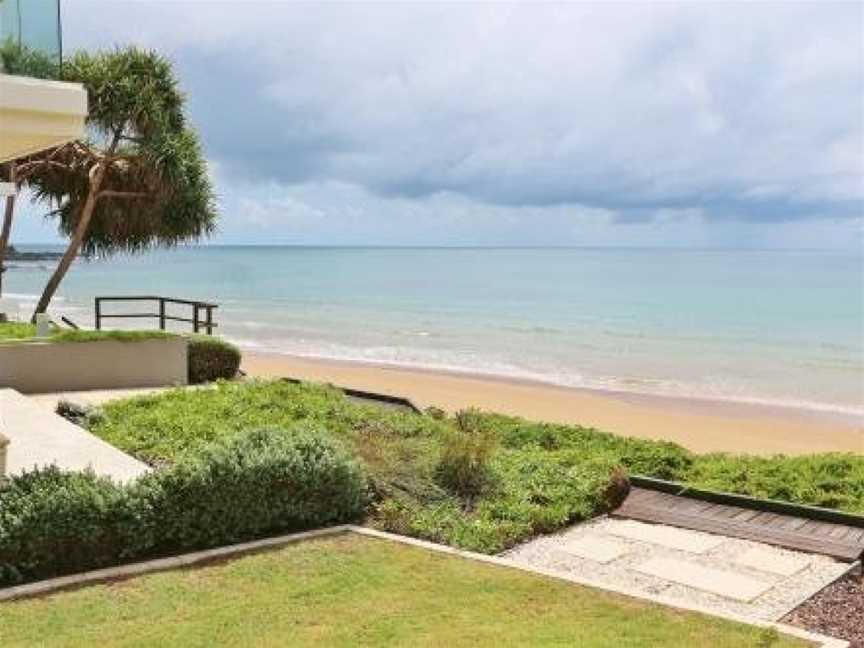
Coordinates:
595	548
714	581
665	536
772	561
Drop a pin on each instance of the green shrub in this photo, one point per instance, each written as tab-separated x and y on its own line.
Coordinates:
248	486
463	466
211	359
54	522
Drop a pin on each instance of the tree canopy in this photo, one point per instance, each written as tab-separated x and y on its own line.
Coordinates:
154	190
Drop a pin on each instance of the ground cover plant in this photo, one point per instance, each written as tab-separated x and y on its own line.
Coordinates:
350	590
477	481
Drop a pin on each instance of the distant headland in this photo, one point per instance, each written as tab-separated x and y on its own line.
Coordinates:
43	255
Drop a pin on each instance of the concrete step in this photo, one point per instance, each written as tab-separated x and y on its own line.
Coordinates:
38	437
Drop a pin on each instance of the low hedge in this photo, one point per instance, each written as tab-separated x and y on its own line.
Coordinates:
54	522
211	359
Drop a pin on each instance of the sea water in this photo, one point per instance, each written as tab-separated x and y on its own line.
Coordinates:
783	327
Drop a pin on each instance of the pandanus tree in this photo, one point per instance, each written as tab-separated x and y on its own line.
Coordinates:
139	180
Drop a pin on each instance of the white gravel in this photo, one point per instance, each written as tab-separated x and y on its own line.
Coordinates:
786	593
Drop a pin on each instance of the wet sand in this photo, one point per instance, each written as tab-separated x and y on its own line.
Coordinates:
700	425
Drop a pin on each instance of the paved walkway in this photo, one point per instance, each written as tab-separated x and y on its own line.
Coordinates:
38	437
720	573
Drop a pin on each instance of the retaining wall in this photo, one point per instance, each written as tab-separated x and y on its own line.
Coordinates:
38	367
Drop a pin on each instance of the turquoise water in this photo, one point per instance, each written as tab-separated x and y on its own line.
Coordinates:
780	326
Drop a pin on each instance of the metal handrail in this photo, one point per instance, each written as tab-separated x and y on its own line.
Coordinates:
197	323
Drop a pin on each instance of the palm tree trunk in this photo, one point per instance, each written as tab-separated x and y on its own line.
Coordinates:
7	229
97	174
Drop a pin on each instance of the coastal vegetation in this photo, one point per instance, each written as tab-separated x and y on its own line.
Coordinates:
530	477
246	459
211	358
349	590
139	180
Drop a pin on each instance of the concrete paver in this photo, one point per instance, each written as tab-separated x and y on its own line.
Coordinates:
772	561
596	548
671	537
716	581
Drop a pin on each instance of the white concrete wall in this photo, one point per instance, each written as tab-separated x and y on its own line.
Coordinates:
38	367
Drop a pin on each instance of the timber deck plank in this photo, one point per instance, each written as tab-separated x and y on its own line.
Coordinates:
840	541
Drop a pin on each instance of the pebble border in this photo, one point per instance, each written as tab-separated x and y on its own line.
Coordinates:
184	560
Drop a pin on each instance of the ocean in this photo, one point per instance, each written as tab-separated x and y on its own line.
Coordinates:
779	327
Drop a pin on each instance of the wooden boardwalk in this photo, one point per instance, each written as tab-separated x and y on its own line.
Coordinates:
842	541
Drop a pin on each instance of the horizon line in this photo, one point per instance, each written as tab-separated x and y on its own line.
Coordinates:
384	246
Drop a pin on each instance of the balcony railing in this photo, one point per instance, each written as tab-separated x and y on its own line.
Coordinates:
32	28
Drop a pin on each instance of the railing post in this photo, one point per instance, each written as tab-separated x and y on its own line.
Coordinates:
162	313
194	318
98	314
209	320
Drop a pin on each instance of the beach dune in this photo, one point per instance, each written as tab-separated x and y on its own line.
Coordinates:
700	425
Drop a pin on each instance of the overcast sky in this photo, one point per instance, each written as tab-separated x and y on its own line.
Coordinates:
696	124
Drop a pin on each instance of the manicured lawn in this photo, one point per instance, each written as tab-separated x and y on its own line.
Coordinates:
348	591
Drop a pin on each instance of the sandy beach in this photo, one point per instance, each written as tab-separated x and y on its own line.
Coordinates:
700	425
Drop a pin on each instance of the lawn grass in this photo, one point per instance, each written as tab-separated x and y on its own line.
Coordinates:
17	331
542	477
350	590
24	332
